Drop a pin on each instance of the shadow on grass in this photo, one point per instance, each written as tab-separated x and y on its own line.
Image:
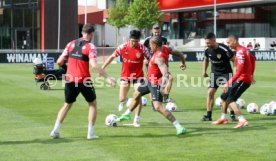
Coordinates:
35	141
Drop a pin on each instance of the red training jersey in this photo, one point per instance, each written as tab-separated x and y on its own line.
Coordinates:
154	73
133	58
244	66
79	52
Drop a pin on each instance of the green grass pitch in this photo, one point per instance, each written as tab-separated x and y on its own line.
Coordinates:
27	115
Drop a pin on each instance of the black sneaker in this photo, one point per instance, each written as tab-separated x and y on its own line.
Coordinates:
233	118
206	118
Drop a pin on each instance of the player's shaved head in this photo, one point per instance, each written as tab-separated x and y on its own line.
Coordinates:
234	37
233	41
156	40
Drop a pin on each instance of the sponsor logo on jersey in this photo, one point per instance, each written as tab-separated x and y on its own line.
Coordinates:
138	55
218	56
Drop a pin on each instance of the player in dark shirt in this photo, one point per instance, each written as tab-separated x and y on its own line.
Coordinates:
220	56
156	31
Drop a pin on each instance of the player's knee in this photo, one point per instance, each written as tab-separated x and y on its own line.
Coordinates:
170	78
137	95
211	94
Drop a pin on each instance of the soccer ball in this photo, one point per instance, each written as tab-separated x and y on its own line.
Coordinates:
272	107
265	110
171	106
37	61
128	102
252	108
110	120
218	102
241	103
144	101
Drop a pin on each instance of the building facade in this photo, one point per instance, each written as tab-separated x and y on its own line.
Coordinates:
34	24
246	18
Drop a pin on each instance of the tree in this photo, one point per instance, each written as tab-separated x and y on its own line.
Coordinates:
143	13
116	15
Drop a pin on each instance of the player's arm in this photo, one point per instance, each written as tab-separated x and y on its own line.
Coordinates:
63	56
205	65
180	56
108	61
253	64
164	70
96	68
240	66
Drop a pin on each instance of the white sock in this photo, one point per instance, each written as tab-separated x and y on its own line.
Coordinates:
136	118
127	112
57	126
176	124
241	118
90	130
223	116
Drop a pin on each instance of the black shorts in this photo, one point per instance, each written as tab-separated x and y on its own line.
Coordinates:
234	92
218	80
73	89
146	87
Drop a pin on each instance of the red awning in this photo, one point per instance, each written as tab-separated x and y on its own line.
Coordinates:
186	4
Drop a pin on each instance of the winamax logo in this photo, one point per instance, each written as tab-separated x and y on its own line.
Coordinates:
265	55
25	57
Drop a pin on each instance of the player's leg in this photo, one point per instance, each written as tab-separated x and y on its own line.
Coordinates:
212	88
209	103
71	93
136	120
124	88
88	92
223	80
137	95
157	102
234	95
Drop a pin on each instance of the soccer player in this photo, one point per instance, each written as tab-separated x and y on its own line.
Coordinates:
80	53
156	31
237	85
132	54
220	56
157	79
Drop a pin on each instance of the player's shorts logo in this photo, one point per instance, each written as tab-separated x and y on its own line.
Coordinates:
138	55
218	56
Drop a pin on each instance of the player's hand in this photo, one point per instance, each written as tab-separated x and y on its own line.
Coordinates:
164	92
225	89
204	75
111	81
146	61
182	66
253	81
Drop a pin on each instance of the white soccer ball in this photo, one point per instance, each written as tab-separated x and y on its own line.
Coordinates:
128	102
241	103
144	101
218	102
37	61
110	120
252	108
171	106
272	107
265	110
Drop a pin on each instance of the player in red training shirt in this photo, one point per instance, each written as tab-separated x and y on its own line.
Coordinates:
156	83
132	54
80	53
242	79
